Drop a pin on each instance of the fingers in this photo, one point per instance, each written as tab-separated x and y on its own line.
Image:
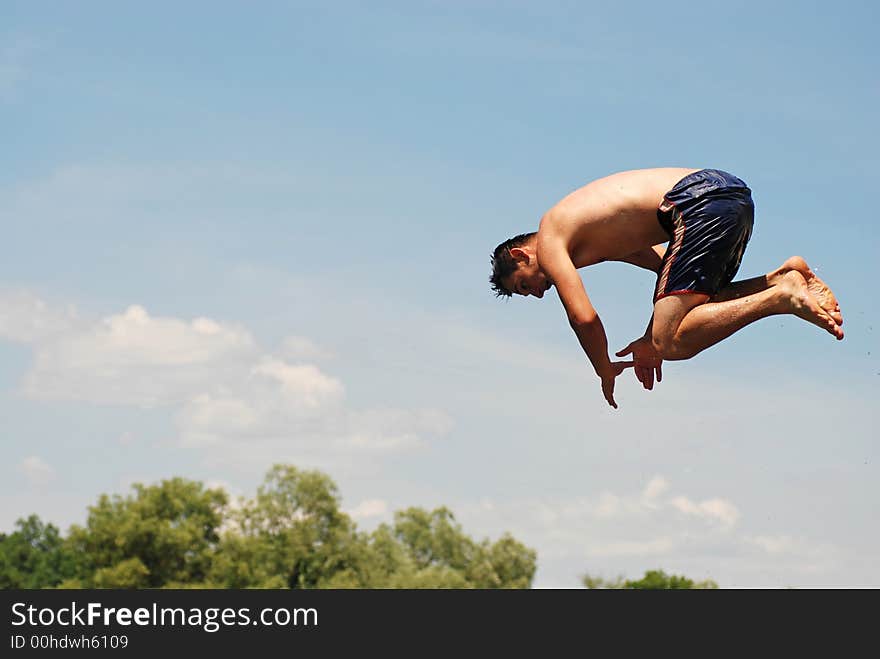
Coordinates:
625	351
620	367
608	391
647	375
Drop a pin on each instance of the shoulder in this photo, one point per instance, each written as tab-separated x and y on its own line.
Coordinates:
552	241
553	230
556	220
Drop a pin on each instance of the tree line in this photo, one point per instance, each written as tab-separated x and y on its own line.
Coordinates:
292	534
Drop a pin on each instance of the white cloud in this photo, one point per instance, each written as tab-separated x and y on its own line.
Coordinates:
369	508
396	428
805	560
608	505
226	391
133	358
36	470
650	502
134	338
274	400
643	527
776	544
26	318
298	405
716	510
268	423
206	416
300	384
655	487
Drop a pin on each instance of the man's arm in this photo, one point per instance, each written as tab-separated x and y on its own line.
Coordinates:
587	326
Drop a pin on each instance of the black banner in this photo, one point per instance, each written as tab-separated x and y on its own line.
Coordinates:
415	621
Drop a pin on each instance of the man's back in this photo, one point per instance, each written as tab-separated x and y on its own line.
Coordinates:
611	217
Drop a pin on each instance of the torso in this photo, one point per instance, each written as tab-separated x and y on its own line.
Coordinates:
612	217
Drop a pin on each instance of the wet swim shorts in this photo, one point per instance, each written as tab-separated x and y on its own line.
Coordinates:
709	216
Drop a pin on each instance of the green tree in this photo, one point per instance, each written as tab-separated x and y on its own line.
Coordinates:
163	535
129	573
436	550
34	556
292	535
653	580
659	580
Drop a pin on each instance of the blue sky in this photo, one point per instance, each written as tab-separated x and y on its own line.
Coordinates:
238	234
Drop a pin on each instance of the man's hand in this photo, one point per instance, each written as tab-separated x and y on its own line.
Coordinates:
647	363
616	368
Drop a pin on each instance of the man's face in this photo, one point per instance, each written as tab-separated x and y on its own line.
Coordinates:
528	279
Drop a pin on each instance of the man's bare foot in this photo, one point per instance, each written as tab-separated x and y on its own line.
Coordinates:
798	299
818	288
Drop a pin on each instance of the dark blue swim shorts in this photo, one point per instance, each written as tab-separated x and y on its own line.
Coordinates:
709	216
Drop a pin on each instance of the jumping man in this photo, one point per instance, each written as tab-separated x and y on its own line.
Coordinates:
690	227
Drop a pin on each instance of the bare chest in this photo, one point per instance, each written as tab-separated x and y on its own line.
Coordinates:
614	235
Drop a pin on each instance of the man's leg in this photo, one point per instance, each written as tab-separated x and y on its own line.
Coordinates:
685	325
818	289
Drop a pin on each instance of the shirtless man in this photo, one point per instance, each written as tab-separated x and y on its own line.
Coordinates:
706	218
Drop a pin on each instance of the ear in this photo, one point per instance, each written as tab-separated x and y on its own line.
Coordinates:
519	254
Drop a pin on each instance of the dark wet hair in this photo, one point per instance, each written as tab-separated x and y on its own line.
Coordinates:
503	264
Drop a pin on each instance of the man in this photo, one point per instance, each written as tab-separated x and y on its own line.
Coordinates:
706	218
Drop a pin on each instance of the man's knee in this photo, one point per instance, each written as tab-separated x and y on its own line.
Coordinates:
663	335
669	314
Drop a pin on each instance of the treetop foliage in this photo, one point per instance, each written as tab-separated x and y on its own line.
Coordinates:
292	534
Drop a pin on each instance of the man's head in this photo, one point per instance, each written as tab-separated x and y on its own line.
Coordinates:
515	268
